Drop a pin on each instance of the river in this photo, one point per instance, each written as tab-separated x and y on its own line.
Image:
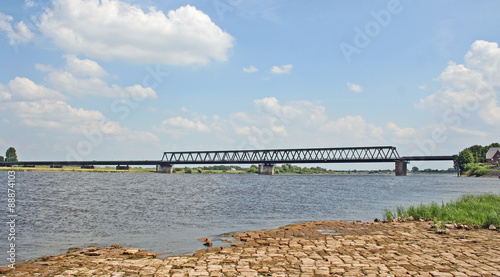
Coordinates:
167	213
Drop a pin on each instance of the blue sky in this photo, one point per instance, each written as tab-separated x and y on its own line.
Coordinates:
132	79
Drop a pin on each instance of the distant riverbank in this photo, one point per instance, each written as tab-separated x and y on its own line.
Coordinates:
218	170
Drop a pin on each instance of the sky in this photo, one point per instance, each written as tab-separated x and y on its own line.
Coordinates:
129	80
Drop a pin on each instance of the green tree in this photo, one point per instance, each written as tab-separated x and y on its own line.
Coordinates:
10	155
414	169
2	159
495	144
465	157
187	170
253	169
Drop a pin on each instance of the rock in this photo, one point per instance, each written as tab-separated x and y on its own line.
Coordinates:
92	253
144	254
130	251
450	226
206	241
411	218
116	246
443	232
44	258
4	269
376	220
74	249
492	227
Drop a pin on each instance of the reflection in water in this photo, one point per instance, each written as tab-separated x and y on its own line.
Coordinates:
168	213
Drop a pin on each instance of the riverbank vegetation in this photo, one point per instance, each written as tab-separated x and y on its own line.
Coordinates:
481	210
472	161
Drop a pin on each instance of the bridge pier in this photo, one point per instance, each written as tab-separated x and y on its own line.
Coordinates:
266	169
164	168
401	167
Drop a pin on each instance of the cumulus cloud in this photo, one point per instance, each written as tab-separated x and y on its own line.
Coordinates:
53	114
355	129
115	29
29	3
250	69
34	105
469	90
179	126
19	34
82	77
84	67
354	87
292	124
284	69
21	88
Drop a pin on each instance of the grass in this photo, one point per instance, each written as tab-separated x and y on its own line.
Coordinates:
482	210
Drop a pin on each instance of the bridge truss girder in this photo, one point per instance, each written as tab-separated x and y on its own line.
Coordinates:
281	156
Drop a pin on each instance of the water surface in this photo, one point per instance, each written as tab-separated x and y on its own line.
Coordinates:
167	213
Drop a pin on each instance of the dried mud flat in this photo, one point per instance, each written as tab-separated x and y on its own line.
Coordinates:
331	248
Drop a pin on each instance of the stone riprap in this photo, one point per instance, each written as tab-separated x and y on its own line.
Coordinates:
330	248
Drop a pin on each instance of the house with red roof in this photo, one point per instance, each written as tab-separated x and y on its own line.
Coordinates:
493	155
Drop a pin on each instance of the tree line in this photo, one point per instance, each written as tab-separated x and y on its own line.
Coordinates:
472	160
10	155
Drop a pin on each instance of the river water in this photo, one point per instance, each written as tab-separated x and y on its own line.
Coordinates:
167	213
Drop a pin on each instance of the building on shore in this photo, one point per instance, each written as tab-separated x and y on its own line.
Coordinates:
493	155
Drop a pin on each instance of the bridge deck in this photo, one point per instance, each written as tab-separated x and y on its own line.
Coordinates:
68	163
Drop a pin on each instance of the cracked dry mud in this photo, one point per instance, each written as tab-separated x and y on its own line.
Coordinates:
330	248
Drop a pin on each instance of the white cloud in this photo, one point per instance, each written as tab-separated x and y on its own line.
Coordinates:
463	131
179	126
81	77
292	124
354	87
354	129
83	68
469	91
401	132
118	30
19	34
284	69
62	116
54	114
250	69
34	105
29	3
422	87
21	88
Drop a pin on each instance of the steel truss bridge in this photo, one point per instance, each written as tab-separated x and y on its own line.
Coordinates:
280	156
265	158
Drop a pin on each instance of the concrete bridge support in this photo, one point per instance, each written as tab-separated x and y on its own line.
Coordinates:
401	167
266	169
164	168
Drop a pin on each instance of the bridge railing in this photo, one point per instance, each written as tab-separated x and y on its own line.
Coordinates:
271	156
